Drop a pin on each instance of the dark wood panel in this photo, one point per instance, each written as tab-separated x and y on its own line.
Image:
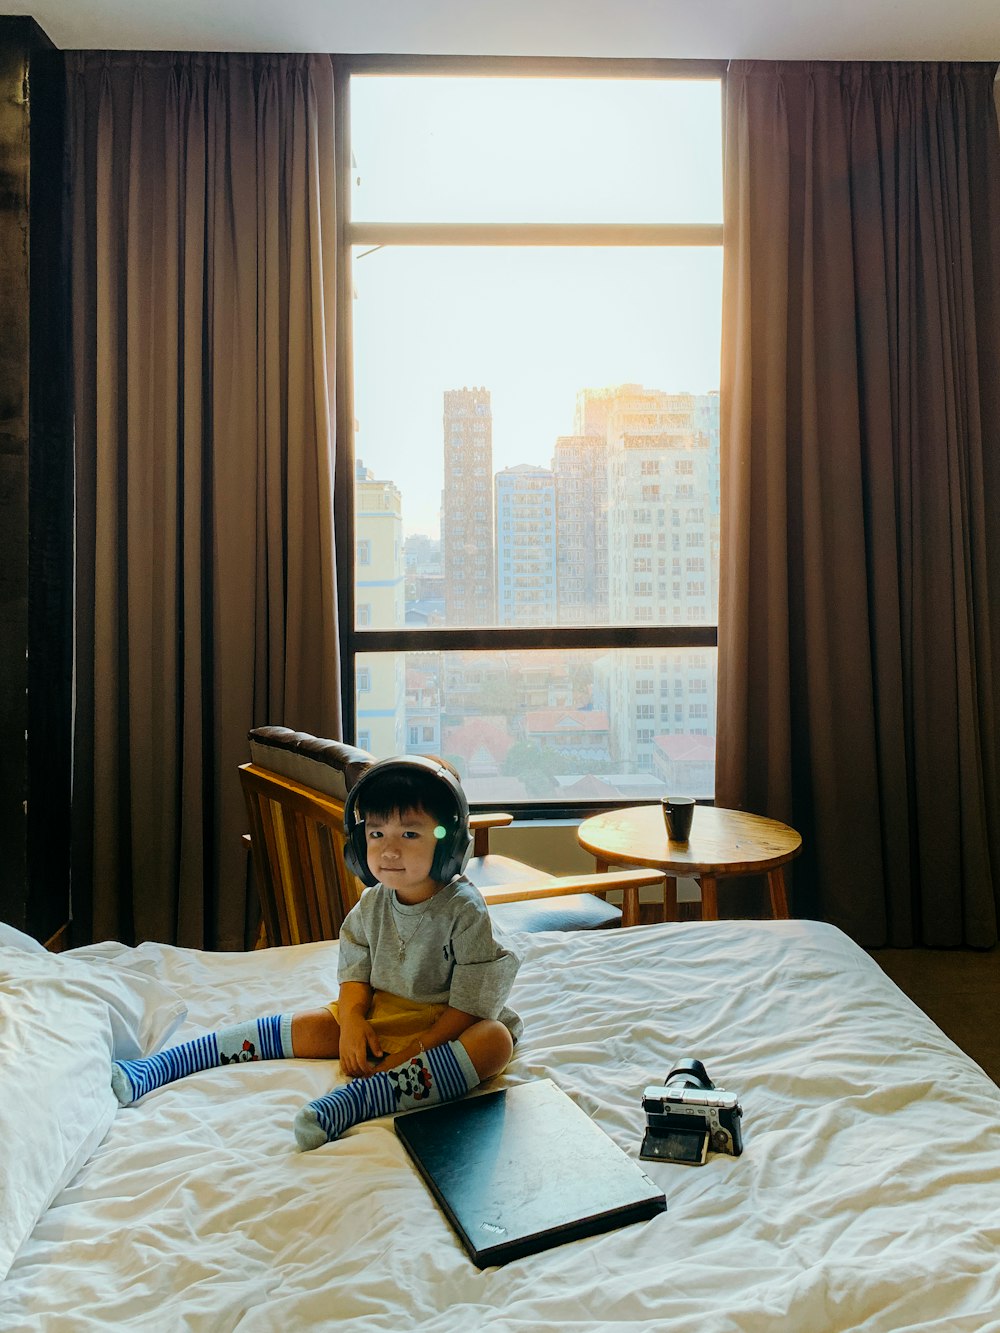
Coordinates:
14	323
35	488
50	511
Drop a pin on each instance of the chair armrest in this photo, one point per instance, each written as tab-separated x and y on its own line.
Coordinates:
562	885
481	825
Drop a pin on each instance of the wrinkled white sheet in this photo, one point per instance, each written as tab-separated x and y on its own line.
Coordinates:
868	1196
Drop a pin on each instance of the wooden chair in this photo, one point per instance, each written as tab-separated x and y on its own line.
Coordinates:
295	788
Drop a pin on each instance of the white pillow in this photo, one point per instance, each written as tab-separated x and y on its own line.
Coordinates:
12	938
62	1019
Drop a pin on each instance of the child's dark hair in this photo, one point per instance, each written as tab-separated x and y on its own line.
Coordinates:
397	790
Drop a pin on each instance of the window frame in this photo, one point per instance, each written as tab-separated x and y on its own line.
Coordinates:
354	639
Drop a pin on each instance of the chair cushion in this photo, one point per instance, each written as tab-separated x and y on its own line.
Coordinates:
328	766
577	911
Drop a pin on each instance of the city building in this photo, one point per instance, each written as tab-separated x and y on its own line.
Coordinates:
663	523
579	465
467	508
423	703
379	601
579	734
685	764
526	545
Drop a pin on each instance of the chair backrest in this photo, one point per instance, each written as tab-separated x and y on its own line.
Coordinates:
295	787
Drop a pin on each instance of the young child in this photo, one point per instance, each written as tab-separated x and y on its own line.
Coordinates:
421	1015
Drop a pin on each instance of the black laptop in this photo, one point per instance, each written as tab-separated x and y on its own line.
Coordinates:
524	1169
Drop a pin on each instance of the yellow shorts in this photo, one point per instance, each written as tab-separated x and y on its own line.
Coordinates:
396	1021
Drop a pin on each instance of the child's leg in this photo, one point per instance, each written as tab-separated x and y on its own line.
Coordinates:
438	1075
314	1034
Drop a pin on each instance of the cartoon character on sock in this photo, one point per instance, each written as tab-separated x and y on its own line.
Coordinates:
412	1080
246	1053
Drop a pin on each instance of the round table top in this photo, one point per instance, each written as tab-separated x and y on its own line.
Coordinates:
722	842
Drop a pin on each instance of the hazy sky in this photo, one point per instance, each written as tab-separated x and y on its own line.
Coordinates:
533	325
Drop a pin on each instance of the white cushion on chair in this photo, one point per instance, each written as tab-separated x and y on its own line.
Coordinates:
576	911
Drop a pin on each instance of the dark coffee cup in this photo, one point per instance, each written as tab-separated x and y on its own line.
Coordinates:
678	812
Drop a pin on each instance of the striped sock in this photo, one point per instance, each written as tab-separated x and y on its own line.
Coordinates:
259	1039
438	1075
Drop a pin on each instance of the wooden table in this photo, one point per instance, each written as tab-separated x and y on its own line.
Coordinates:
722	842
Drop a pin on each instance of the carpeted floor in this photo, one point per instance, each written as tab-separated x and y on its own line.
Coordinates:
959	989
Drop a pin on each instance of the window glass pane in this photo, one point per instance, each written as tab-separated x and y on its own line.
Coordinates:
537	435
550	727
450	149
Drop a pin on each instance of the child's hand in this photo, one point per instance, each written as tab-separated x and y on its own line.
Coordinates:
360	1048
416	1047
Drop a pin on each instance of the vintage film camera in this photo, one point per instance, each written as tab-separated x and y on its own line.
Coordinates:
687	1114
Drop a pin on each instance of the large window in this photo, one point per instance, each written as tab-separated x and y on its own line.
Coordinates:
534	263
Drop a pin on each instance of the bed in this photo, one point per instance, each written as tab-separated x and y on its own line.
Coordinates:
867	1197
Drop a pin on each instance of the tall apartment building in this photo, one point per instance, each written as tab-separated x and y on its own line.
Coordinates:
379	583
593	407
579	465
467	508
662	473
526	545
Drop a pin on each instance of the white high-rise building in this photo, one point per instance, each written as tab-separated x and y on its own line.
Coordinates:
662	476
380	584
526	545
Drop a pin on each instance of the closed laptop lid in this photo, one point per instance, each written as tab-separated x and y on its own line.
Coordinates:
524	1169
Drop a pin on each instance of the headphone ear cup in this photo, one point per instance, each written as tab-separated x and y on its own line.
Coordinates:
355	845
463	849
452	853
356	854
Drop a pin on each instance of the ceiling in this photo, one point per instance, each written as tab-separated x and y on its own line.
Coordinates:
718	29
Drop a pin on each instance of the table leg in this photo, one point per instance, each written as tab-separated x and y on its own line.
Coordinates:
779	898
601	868
709	899
669	898
630	906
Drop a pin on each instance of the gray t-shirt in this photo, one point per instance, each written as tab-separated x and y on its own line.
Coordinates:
440	951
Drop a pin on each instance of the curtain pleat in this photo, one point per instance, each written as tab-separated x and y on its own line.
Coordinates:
860	589
203	198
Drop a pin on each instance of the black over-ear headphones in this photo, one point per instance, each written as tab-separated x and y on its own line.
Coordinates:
453	849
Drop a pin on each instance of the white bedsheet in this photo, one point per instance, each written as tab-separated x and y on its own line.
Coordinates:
868	1195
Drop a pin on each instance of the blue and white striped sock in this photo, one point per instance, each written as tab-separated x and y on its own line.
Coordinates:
258	1039
438	1075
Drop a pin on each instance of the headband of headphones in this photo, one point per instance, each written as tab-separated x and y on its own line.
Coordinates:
455	846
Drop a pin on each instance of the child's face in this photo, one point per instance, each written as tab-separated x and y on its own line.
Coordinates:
400	852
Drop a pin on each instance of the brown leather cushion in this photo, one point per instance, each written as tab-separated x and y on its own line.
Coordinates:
328	766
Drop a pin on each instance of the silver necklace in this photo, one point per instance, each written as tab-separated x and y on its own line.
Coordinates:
401	940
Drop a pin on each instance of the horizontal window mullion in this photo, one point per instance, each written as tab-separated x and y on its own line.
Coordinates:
534	233
524	639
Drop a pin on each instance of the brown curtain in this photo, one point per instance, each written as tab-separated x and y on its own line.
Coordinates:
859	615
203	258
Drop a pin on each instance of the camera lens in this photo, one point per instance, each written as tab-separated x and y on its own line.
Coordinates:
689	1074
